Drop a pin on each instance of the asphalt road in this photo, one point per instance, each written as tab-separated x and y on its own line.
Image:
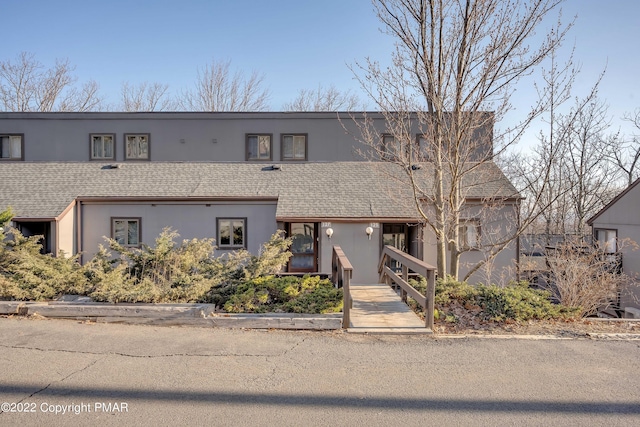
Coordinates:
56	372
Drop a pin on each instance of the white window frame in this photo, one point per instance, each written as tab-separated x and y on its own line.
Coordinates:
126	241
14	148
101	138
260	140
469	234
228	224
299	146
137	146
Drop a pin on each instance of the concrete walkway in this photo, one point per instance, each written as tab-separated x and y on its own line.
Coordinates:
378	309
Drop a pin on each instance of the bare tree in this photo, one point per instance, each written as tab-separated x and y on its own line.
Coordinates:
323	99
454	60
146	97
625	154
27	85
218	89
590	178
539	176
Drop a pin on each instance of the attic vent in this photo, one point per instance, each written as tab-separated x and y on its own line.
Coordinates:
112	166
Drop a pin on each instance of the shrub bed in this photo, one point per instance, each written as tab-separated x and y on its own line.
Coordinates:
288	294
516	302
168	271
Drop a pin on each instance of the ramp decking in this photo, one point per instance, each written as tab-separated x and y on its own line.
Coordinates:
378	309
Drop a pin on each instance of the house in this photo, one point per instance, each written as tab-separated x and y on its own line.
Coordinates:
236	177
616	228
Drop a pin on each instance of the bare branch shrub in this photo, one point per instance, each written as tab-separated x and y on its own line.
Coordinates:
587	278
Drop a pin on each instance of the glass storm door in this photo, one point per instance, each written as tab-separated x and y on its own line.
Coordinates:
395	235
304	248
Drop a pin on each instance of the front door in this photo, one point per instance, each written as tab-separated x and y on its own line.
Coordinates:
395	235
304	248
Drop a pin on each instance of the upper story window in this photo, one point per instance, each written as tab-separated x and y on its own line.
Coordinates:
136	146
388	147
424	148
232	233
102	146
294	147
11	147
258	147
126	231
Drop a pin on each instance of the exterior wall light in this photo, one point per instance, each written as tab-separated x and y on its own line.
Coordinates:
369	232
329	232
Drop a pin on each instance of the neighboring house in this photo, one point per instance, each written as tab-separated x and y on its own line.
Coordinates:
617	229
236	177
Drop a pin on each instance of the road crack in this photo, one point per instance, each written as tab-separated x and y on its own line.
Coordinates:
138	356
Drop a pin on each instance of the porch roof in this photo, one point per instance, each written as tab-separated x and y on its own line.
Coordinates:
331	190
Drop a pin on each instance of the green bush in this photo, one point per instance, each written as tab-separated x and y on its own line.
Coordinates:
514	302
185	272
289	294
167	272
518	302
27	274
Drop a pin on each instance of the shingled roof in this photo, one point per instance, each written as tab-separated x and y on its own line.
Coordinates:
332	190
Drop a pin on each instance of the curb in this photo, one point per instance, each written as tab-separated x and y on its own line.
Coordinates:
199	315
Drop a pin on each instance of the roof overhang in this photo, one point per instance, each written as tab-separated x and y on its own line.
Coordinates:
591	220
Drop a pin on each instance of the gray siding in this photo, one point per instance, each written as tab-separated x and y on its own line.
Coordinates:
363	253
190	220
623	216
179	136
496	224
176	136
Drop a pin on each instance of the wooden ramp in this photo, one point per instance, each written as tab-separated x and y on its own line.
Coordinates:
378	309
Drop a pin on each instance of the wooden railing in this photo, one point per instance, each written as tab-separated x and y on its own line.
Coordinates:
342	270
407	262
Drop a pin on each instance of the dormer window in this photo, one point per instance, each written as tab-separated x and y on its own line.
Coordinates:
294	147
258	147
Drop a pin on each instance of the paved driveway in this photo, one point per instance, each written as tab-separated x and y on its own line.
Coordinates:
110	374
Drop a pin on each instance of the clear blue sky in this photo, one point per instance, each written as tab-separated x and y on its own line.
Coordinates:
297	44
